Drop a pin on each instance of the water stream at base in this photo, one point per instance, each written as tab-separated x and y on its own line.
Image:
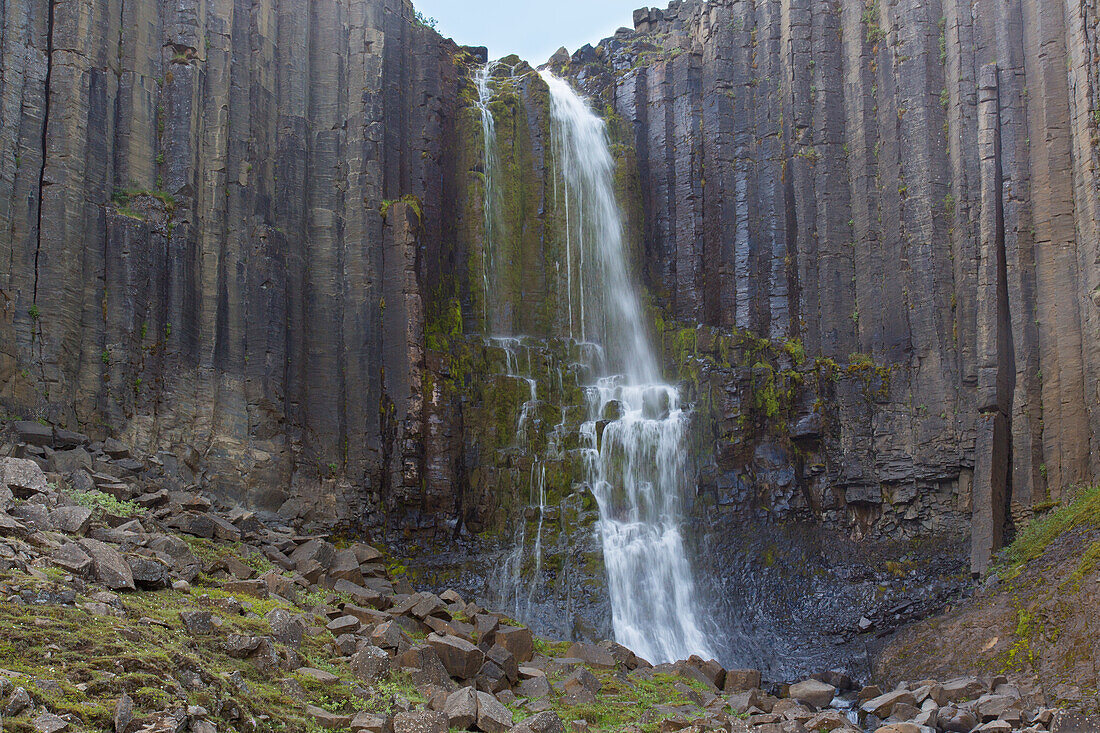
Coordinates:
634	432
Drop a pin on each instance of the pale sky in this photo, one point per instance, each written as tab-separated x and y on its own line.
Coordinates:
534	30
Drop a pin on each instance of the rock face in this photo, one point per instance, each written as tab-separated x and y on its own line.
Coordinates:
197	240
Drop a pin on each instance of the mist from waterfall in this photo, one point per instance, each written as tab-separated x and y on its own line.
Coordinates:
635	431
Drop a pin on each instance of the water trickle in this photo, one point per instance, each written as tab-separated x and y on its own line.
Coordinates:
634	434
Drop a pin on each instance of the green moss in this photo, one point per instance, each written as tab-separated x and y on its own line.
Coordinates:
1083	511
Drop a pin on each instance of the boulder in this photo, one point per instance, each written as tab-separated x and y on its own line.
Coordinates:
461	708
461	658
124	713
883	705
711	669
739	680
72	557
813	692
327	720
23	478
33	433
590	654
71	519
424	667
389	636
10	527
960	689
286	629
65	439
111	568
492	716
19	701
535	688
343	625
50	723
148	573
521	643
368	723
505	660
197	622
545	722
370	663
319	675
422	721
345	566
68	461
314	551
491	678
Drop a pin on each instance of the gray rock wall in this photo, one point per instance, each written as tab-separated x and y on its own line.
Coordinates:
193	250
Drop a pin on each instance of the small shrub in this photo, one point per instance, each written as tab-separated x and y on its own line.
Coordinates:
97	500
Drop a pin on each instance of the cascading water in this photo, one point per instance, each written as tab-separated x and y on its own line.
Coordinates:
635	430
490	167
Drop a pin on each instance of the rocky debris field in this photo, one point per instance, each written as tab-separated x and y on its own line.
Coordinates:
130	602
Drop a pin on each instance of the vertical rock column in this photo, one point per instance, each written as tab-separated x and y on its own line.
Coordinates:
996	371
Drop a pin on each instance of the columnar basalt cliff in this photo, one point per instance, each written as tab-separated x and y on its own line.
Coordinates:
912	181
254	235
218	223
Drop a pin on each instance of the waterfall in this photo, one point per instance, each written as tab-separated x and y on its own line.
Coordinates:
635	431
490	169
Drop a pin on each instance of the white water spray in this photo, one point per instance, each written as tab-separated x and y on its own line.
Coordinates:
635	430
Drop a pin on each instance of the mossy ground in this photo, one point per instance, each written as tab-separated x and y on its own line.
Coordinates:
143	652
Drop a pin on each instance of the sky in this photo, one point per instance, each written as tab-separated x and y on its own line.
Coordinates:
532	29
